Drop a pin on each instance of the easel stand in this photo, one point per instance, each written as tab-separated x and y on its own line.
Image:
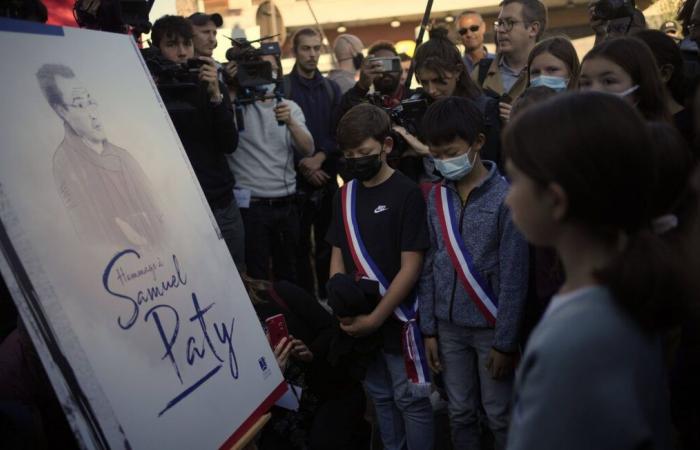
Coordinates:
246	441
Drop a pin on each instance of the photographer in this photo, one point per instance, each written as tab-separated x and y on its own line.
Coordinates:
388	93
203	118
270	131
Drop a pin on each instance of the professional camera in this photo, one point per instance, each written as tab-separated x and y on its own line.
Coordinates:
171	75
408	114
253	72
613	9
254	76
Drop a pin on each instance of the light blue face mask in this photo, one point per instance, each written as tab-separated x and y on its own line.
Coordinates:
456	168
555	83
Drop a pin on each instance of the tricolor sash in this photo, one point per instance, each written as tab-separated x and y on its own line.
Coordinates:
412	340
478	289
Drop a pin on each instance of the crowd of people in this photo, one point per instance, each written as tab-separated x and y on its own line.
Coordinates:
524	255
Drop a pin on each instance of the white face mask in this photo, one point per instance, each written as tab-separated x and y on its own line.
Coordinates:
627	92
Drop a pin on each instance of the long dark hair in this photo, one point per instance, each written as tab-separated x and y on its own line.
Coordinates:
666	51
598	149
440	55
674	166
635	58
561	48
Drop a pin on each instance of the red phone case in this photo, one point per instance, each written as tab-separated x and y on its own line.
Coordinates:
277	328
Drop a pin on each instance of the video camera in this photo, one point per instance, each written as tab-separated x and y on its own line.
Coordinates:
613	9
170	75
253	73
254	76
408	114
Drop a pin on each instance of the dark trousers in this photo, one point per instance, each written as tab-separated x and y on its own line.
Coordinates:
271	232
316	210
232	230
337	424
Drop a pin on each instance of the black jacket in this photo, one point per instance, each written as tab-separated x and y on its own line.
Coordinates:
208	133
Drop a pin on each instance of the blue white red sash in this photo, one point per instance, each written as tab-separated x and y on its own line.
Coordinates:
478	289
413	349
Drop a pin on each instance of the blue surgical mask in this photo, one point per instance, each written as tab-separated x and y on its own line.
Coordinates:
555	83
627	92
456	168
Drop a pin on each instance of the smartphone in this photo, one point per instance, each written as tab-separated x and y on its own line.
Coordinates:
389	63
277	328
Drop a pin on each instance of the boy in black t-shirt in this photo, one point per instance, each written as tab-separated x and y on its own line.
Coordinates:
379	232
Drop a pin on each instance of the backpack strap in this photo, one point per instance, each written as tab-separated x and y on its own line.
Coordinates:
484	65
276	297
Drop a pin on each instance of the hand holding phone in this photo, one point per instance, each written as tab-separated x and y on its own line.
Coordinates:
386	64
276	328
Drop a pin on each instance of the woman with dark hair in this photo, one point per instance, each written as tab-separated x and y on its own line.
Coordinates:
332	404
441	71
593	376
626	67
670	63
554	63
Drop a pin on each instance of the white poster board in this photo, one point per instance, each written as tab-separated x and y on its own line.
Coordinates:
112	255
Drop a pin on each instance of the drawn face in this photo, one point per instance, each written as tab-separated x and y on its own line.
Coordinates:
80	111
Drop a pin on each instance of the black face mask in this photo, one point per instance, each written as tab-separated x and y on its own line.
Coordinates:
363	168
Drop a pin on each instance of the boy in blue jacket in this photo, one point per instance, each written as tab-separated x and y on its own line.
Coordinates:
474	281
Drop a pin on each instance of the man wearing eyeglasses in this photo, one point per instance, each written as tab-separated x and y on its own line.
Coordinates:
519	26
106	193
471	28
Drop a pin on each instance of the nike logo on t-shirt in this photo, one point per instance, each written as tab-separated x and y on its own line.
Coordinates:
380	208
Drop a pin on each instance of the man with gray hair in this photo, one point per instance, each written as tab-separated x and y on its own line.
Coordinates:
348	55
471	28
106	193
